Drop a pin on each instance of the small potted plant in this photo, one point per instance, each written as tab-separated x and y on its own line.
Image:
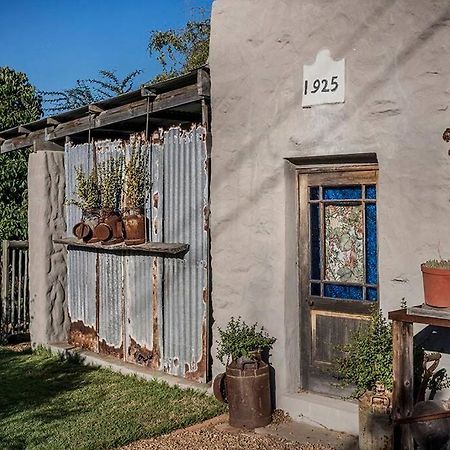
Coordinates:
136	191
436	282
110	180
245	385
240	342
88	200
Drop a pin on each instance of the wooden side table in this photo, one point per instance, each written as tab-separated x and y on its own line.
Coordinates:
403	391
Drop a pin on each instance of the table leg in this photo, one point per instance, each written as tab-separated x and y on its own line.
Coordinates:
403	394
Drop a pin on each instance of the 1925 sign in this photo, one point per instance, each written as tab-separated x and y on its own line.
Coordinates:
323	81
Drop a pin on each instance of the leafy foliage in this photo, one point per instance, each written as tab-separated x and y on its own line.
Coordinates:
367	358
87	190
110	180
19	101
181	50
90	91
137	178
239	339
19	104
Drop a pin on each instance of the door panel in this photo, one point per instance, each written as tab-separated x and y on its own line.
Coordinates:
338	266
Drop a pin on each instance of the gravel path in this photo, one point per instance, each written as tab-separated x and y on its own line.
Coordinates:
215	437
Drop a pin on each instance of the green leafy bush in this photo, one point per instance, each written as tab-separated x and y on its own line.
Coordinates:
239	339
367	358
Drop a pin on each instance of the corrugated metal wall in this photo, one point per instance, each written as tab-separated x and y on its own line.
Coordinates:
145	309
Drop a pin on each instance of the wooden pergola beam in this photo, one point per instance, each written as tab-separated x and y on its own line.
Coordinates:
163	101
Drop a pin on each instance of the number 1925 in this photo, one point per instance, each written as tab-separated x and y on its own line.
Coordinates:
322	85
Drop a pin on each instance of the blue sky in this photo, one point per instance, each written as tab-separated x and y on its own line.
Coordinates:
56	42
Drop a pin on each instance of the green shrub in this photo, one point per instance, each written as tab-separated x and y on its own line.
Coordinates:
239	339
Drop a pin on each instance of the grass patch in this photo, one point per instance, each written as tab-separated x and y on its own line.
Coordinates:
50	402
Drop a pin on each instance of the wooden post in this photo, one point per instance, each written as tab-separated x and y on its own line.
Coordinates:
5	280
402	396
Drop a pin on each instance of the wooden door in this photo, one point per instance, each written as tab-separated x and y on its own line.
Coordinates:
338	266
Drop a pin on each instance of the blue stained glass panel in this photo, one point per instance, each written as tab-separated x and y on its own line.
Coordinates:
342	291
342	192
371	294
371	244
315	289
315	241
314	193
371	192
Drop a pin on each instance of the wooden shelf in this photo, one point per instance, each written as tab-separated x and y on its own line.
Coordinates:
159	248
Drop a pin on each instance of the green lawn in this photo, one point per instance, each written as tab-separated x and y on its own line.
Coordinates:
47	402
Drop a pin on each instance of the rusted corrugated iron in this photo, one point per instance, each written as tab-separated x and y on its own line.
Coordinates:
148	310
185	199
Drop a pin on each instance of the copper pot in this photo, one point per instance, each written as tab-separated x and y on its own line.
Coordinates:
85	229
110	229
134	224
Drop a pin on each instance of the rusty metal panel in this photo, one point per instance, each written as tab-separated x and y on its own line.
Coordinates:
110	304
75	156
81	265
186	280
141	347
118	301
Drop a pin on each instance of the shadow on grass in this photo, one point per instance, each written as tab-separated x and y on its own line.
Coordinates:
30	380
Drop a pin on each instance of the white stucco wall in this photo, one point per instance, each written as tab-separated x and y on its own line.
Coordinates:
396	105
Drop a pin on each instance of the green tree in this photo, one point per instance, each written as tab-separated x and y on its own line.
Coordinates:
19	100
89	91
181	50
19	104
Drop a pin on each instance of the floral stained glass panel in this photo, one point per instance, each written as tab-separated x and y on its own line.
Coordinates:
344	246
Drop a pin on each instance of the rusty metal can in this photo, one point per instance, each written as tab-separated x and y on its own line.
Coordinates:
85	229
375	423
111	227
246	389
134	224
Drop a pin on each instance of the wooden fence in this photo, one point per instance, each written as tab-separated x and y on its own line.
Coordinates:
14	311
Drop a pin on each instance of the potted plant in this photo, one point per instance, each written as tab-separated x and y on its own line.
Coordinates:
245	385
88	200
436	282
136	191
110	180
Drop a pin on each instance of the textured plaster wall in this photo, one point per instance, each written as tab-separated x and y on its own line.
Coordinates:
48	305
396	105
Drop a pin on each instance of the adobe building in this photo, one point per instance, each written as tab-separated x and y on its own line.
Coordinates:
329	176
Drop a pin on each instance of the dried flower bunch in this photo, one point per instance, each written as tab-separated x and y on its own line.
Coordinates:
137	177
87	190
110	175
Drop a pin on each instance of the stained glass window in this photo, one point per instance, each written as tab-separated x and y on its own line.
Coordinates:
343	242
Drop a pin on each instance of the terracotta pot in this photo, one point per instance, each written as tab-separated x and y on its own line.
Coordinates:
85	229
134	224
436	286
110	230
